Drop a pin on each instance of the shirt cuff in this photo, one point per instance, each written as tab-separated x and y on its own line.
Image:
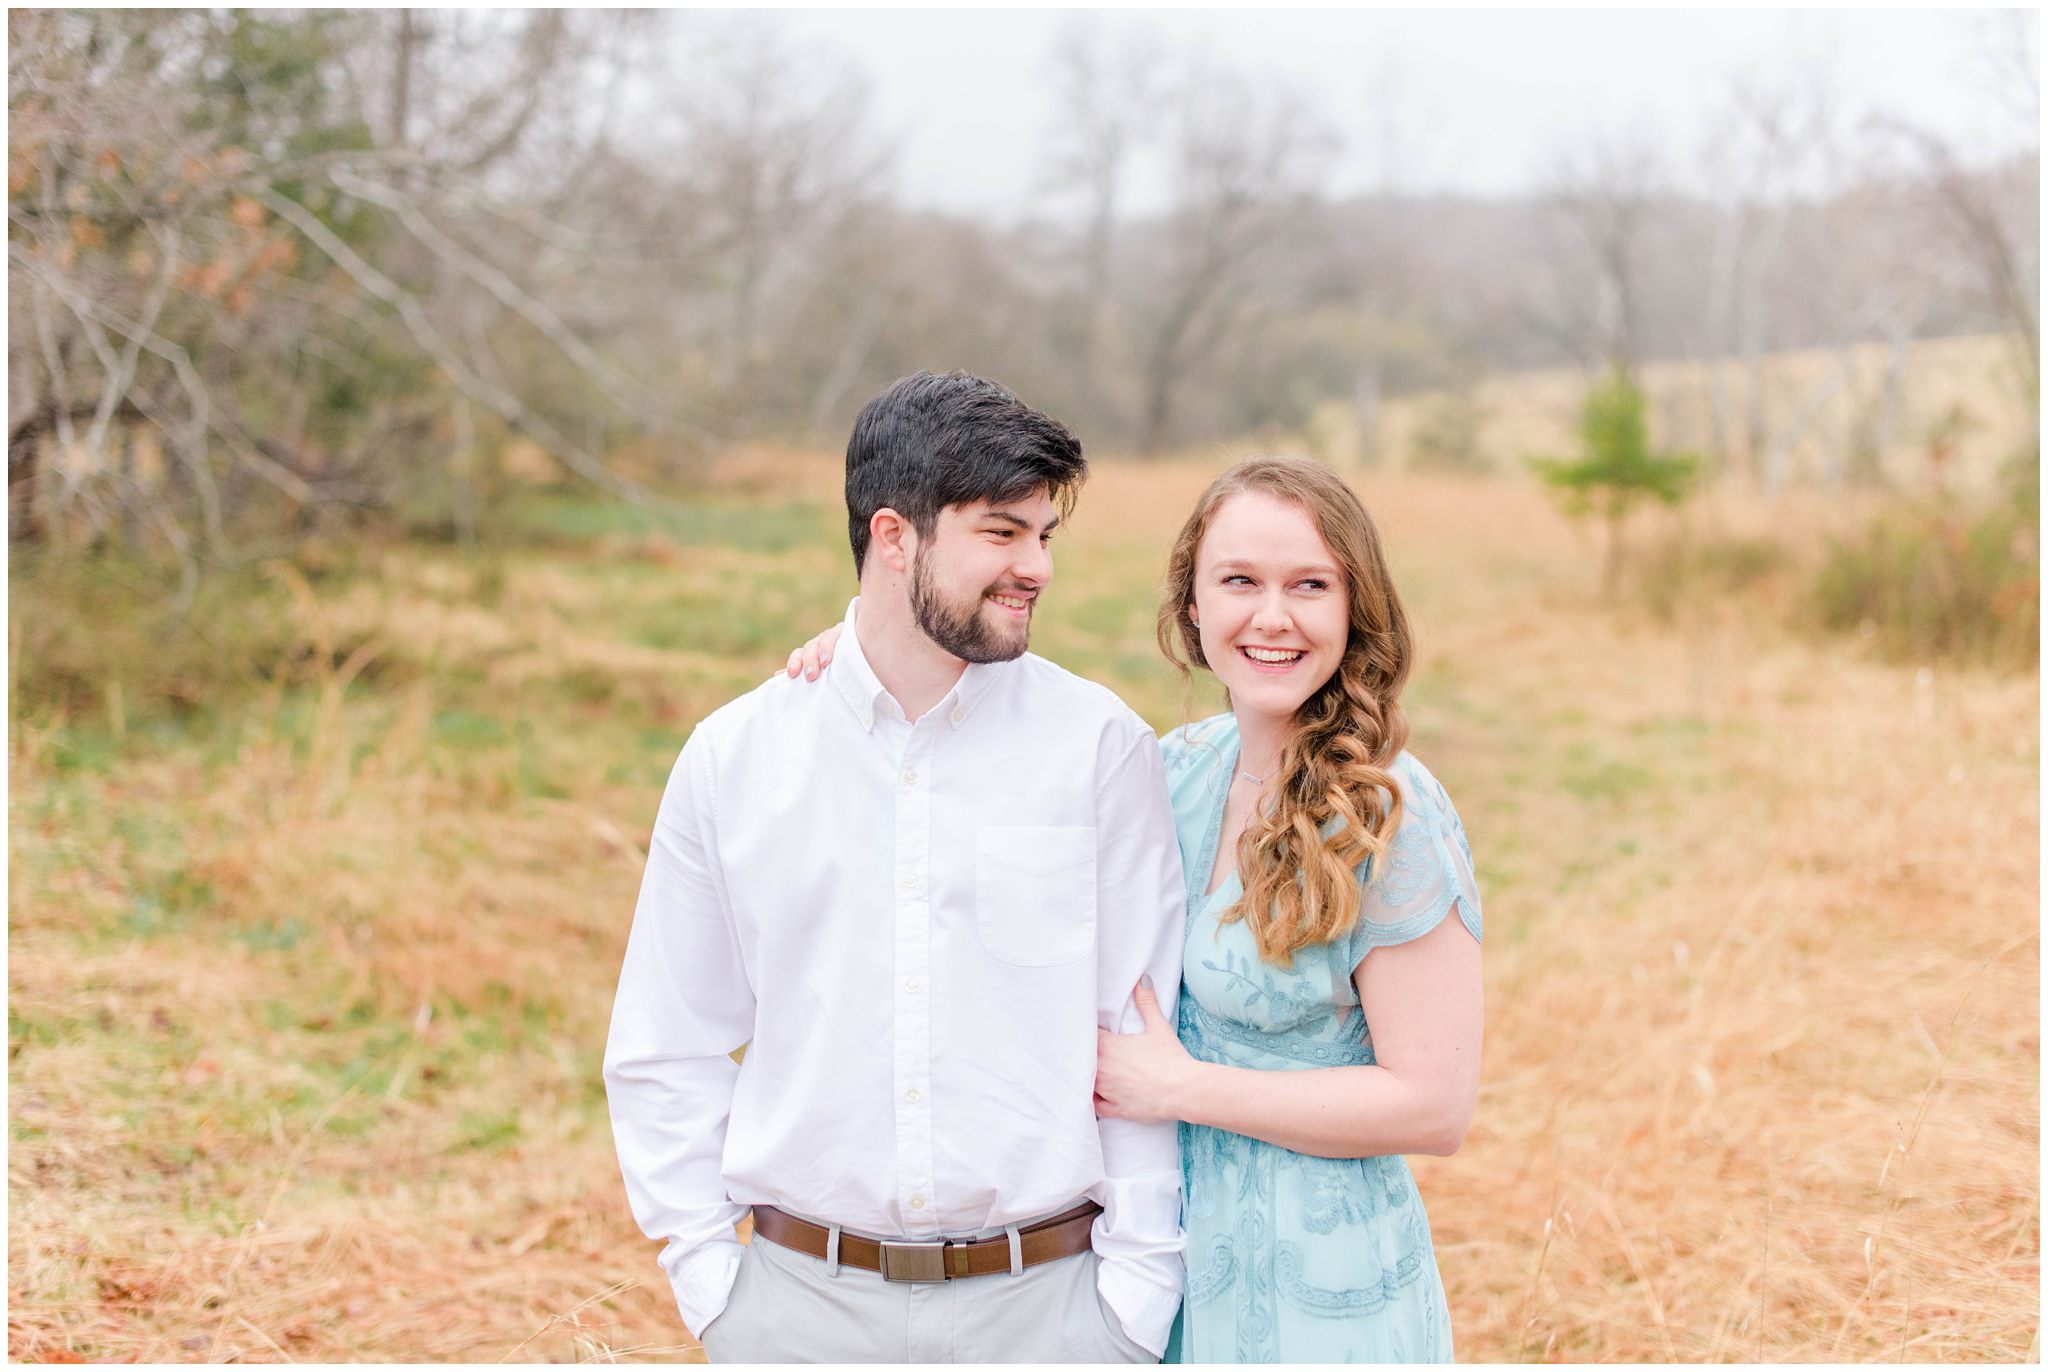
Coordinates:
703	1283
1144	1308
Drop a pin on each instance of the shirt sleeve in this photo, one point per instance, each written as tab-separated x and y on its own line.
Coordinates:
1426	871
1142	901
684	1006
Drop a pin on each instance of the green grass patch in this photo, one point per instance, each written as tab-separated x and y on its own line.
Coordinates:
272	936
571	518
1592	778
468	731
487	1130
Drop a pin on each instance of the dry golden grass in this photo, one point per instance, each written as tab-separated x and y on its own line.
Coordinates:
1762	959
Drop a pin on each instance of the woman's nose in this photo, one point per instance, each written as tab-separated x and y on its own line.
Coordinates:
1272	616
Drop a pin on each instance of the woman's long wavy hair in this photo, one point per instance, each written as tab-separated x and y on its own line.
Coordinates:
1300	888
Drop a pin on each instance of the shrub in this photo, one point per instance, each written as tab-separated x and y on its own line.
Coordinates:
99	629
1684	569
1944	581
1448	436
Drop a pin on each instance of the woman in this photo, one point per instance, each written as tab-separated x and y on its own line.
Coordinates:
1330	1016
1330	1019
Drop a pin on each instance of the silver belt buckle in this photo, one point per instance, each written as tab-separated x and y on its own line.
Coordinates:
916	1262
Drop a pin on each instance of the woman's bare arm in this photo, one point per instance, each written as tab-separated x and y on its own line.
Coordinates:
1425	1004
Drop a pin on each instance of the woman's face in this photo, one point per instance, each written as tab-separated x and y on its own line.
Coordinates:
1271	604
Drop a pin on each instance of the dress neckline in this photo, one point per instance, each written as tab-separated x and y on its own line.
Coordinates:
1212	846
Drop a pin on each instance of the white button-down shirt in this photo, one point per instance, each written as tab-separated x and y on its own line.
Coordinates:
916	928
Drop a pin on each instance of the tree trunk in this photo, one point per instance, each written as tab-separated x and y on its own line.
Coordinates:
1610	571
128	491
400	114
1365	408
1159	380
24	510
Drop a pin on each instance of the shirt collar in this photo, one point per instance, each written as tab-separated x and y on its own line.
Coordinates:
851	676
864	693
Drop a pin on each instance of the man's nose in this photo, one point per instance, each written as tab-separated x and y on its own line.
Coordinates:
1033	564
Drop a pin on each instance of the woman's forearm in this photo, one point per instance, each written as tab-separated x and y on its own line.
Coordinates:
1330	1112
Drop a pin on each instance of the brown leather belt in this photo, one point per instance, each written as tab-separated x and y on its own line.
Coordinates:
1062	1236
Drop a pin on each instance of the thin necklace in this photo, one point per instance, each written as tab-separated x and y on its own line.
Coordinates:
1255	780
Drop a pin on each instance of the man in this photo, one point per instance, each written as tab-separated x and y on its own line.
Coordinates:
913	892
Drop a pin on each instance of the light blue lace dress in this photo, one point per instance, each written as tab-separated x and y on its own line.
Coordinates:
1293	1258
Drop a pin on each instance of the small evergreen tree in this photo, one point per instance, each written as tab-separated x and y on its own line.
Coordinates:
1616	469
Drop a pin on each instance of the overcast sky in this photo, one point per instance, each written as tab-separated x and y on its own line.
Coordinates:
1479	101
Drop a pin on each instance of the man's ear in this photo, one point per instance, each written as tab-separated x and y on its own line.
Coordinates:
893	539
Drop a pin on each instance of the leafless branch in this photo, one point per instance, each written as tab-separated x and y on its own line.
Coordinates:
503	402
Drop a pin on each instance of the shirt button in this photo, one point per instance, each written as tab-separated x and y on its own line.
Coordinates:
912	1095
917	1202
910	882
959	715
910	778
910	983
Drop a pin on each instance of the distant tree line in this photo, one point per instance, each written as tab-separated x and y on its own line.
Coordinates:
273	268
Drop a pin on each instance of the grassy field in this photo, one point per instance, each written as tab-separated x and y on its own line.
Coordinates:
314	922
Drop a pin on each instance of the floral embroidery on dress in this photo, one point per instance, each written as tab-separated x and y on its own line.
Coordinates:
1290	1002
1410	865
1332	1195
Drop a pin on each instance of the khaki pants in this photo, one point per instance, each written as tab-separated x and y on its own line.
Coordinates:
790	1307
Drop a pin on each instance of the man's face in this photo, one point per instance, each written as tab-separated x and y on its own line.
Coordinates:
974	583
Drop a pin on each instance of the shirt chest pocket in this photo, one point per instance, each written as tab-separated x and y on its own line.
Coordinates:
1034	893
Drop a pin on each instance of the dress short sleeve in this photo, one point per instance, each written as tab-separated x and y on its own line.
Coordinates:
1425	873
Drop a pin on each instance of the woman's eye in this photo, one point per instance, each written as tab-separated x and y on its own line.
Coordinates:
1316	584
1236	578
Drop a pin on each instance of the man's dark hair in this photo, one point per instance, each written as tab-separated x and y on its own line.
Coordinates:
932	441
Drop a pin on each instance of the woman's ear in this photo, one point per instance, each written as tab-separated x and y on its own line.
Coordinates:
1194	615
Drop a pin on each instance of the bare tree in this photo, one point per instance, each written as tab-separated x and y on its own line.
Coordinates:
1243	160
1607	192
1763	157
777	147
1107	90
1988	223
207	240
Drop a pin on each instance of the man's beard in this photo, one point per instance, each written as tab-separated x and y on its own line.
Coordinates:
961	632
